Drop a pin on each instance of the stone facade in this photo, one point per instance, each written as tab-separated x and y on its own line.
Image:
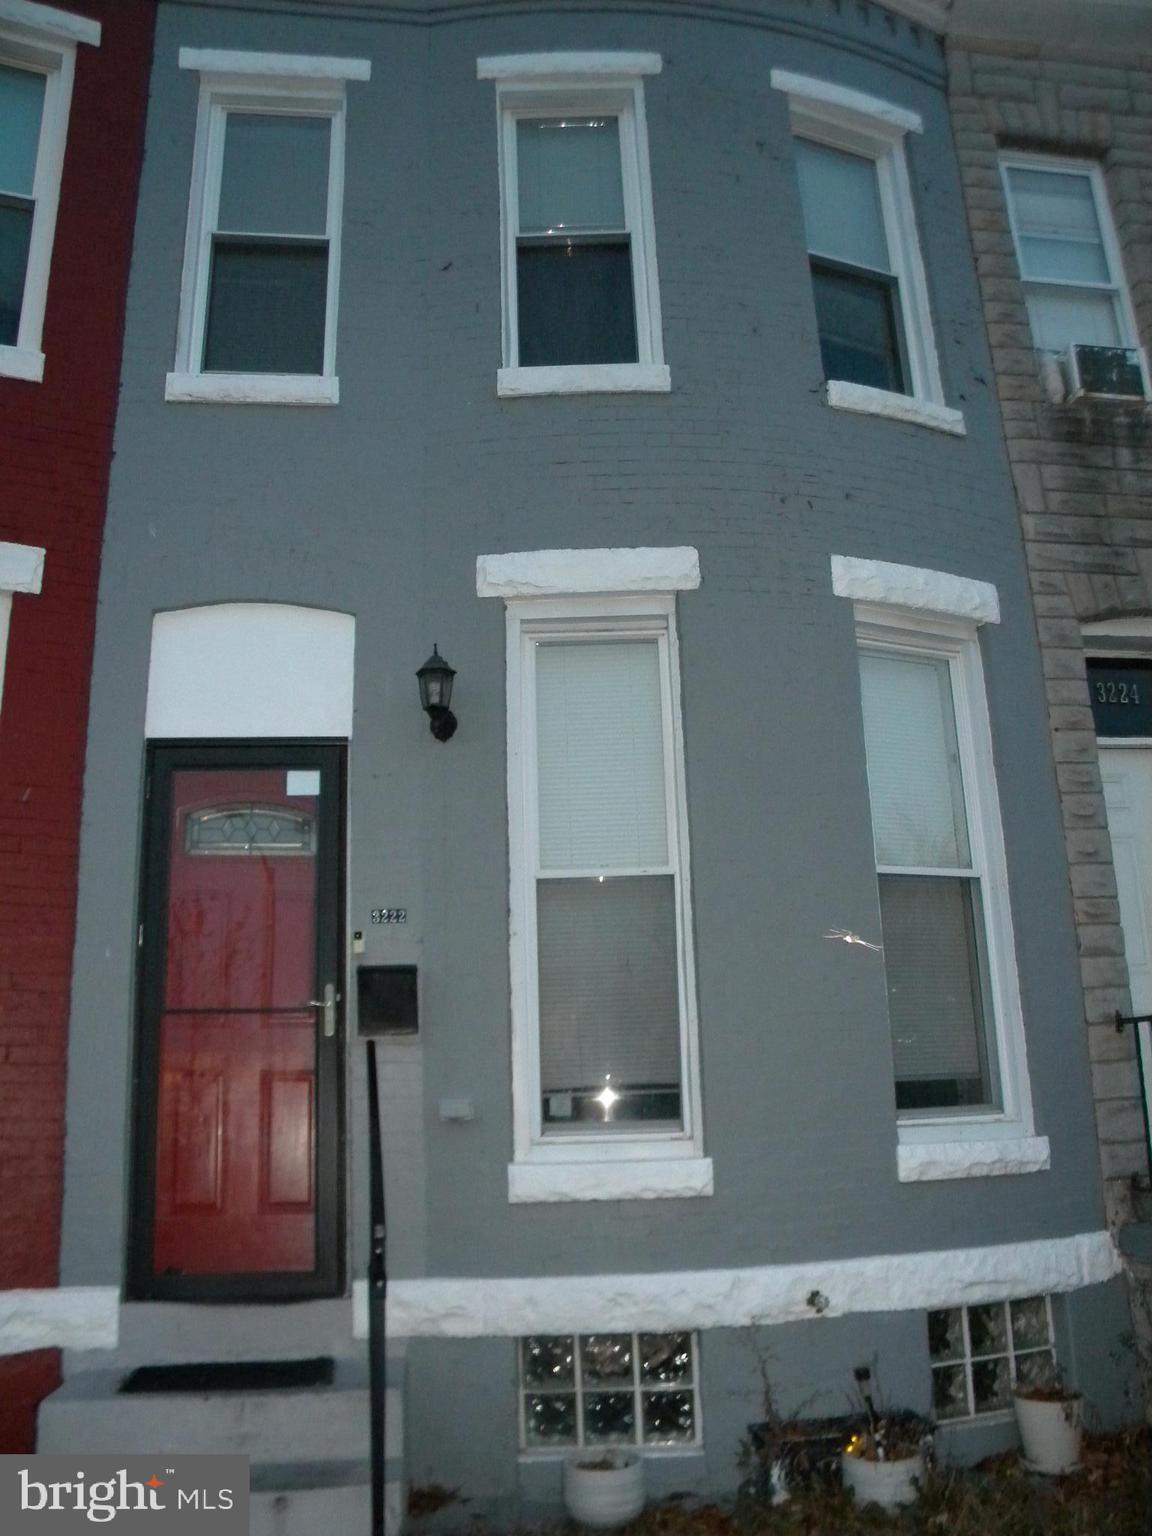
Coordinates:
1083	473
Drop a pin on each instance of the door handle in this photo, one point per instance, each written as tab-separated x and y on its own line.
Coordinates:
327	1004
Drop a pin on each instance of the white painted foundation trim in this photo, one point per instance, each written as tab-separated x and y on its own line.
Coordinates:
577	572
844	396
61	26
585	379
251	669
65	1317
741	1298
251	389
676	1179
22	363
826	93
285	66
919	1161
915	587
559	66
21	567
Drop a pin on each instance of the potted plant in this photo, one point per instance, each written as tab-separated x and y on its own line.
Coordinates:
1050	1418
604	1488
884	1461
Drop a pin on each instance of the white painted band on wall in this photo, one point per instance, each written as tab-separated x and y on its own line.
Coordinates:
915	587
64	1317
741	1298
558	572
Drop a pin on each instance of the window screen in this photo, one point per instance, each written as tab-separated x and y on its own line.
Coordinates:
21	111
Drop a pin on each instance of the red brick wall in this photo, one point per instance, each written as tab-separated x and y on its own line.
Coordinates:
55	451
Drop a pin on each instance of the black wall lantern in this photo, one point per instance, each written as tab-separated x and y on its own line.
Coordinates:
435	679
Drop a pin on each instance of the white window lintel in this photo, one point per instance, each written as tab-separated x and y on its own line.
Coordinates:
827	98
568	66
21	568
576	572
284	66
47	22
915	588
917	1162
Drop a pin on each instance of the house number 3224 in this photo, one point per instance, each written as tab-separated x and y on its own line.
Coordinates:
389	914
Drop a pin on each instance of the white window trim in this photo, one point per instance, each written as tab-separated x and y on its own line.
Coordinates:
659	1450
268	82
42	39
954	1138
866	125
535	84
21	570
1118	286
624	1165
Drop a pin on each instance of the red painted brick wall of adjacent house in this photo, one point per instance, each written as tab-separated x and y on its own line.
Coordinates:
55	452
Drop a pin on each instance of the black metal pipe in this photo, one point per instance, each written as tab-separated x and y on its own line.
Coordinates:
377	1296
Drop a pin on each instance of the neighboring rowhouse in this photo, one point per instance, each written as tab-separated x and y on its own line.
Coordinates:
73	84
1052	112
633	356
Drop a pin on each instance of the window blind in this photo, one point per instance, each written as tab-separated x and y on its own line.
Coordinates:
21	108
843	218
275	175
569	175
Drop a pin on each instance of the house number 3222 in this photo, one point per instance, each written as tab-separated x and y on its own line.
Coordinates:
389	914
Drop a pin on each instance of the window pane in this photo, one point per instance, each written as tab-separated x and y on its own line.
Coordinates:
606	1357
843	218
914	781
934	972
575	303
600	754
991	1385
609	1418
949	1392
1069	261
266	308
1062	316
1054	203
1035	1368
21	108
550	1418
988	1329
569	175
609	1006
668	1417
275	175
859	328
548	1361
665	1357
15	233
946	1335
1029	1322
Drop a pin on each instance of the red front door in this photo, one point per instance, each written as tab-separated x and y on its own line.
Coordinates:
241	986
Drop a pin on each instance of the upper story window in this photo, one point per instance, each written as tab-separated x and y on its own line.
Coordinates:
871	294
262	256
605	1055
1068	255
37	63
581	304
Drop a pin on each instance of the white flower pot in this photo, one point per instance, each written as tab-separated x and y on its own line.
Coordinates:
604	1496
887	1483
1050	1432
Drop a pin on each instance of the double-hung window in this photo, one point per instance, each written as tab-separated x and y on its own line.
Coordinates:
605	1075
868	282
961	1081
37	63
262	254
1068	255
580	293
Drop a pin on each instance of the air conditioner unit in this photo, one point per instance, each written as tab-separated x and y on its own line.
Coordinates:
1109	373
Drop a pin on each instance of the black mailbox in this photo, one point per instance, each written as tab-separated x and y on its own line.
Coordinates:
386	1000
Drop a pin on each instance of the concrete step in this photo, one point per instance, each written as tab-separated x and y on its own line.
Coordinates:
328	1423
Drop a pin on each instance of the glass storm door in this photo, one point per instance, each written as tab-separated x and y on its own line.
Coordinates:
241	1002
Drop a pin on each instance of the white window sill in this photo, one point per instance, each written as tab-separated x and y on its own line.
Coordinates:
252	388
669	1179
919	1161
22	363
883	402
585	379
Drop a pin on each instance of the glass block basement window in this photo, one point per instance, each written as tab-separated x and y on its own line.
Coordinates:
609	1389
979	1353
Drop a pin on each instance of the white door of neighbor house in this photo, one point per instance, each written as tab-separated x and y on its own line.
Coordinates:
1127	776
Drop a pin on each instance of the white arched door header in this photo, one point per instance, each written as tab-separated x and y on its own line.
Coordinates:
251	670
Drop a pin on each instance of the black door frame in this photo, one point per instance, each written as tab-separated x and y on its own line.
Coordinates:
164	759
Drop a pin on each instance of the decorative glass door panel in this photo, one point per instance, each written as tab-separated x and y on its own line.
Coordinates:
241	977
